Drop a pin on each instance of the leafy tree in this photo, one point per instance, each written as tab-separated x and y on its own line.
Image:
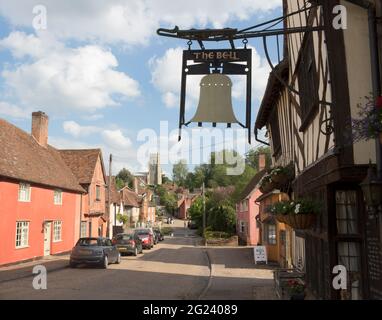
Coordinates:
252	157
124	178
196	212
179	173
222	218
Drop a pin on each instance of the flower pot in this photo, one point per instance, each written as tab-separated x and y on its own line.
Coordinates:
298	296
266	187
280	179
301	221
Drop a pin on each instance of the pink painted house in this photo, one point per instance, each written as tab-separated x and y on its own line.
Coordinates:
40	198
247	210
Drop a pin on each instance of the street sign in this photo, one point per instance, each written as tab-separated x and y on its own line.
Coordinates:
260	254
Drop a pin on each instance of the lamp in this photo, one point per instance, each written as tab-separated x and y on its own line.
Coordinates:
372	188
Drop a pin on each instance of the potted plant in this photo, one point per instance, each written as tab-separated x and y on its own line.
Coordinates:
368	125
303	213
281	211
296	289
266	184
281	175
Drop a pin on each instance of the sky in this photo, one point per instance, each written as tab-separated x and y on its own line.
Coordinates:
106	80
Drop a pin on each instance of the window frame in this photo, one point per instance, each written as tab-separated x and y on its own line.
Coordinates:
24	225
83	224
55	229
28	192
308	83
242	226
98	193
267	234
57	191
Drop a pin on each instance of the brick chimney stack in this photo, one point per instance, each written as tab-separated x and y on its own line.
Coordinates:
135	185
40	123
262	161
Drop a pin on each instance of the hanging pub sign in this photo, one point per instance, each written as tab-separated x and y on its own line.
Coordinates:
215	101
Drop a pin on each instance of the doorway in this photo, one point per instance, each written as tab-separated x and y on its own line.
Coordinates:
47	237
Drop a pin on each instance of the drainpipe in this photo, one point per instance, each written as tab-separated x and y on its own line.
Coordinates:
375	72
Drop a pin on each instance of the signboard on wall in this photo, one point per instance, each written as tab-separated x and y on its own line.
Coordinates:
260	254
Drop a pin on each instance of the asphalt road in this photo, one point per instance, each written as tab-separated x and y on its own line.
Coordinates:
175	269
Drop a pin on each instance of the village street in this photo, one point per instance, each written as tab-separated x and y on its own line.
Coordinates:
177	268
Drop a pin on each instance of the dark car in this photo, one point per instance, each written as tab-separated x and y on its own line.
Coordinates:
159	235
128	243
147	237
192	225
94	251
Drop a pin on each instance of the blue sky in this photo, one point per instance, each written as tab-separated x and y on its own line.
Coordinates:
103	75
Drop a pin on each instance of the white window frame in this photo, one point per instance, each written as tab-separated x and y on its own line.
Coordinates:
84	229
57	231
57	197
22	234
25	189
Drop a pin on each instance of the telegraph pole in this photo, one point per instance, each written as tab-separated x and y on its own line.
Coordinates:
204	213
108	197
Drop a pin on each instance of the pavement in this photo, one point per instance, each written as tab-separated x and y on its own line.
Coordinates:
175	269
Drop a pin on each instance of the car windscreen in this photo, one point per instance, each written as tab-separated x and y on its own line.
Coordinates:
88	242
142	232
124	237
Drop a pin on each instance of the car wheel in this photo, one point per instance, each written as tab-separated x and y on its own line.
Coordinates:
105	262
135	251
72	265
118	259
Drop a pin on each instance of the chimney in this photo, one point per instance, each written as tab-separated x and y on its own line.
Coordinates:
40	127
135	185
262	161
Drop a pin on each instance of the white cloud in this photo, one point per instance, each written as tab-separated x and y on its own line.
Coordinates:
131	22
60	78
11	110
76	130
115	139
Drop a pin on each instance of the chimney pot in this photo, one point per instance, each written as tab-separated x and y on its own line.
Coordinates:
40	122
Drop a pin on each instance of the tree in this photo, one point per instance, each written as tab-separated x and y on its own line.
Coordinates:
252	158
222	218
196	212
179	173
124	178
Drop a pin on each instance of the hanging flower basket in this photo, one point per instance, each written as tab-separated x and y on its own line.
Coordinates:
298	214
266	184
301	221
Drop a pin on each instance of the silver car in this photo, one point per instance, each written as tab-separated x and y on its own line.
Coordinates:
94	251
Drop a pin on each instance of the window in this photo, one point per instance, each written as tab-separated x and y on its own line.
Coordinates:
58	197
242	226
270	233
275	134
22	233
98	193
308	83
24	192
347	216
83	229
349	256
245	205
57	231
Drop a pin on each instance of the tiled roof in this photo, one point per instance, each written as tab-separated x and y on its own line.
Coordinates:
82	163
23	159
252	184
130	198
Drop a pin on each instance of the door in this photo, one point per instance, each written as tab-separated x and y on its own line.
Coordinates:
47	237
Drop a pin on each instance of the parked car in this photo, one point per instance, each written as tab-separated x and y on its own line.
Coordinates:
192	225
147	237
94	251
128	243
159	235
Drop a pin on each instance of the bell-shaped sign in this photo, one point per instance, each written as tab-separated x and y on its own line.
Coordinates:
215	101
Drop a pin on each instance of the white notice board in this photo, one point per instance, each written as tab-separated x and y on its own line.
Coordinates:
260	254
